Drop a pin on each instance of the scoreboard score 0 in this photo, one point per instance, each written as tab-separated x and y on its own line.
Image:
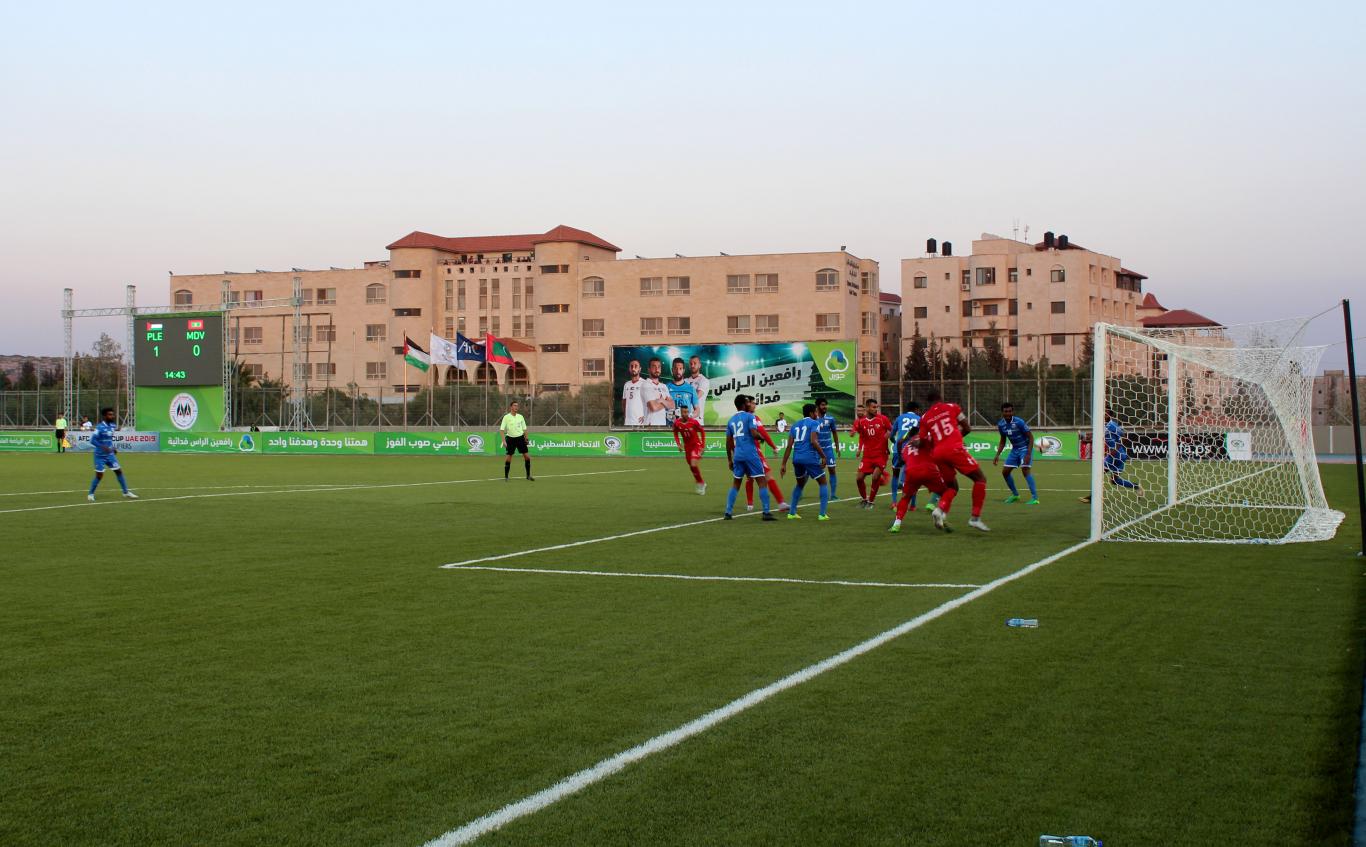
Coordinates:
178	350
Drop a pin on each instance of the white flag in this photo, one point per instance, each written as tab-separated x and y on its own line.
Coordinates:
443	351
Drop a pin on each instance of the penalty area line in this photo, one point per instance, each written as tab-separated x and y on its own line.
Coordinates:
577	782
781	579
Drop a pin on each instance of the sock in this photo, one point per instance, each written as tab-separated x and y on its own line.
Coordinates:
1123	483
696	474
825	497
903	505
749	492
834	484
94	483
913	496
730	499
796	497
896	485
862	488
946	499
1010	480
775	490
1033	492
528	468
877	482
979	496
507	466
763	497
123	483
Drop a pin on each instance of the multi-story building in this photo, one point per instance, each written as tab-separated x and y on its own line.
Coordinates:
1038	299
889	306
560	300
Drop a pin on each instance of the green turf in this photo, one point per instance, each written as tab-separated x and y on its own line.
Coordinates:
243	666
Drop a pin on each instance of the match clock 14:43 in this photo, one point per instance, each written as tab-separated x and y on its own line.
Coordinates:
178	350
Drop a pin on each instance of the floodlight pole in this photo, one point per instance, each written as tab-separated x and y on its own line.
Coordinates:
1356	421
68	355
130	408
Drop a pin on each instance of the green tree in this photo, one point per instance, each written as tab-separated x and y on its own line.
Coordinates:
28	376
918	367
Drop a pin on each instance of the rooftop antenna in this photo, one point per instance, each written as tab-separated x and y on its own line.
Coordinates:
1015	230
1026	232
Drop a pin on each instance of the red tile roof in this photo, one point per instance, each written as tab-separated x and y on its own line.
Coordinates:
500	243
1150	302
886	297
1178	318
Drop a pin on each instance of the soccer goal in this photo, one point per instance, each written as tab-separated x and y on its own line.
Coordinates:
1202	434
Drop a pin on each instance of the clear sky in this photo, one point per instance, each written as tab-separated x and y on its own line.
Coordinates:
1219	148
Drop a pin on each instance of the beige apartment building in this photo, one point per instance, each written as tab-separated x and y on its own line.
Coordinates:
1039	299
560	300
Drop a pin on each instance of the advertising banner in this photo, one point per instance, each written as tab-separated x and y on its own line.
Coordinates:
125	441
662	443
197	408
317	443
650	382
1047	445
422	443
35	441
1153	444
218	442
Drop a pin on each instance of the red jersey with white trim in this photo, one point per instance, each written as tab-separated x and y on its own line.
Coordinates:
918	454
940	425
872	435
690	434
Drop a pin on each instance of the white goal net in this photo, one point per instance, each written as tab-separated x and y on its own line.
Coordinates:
1203	434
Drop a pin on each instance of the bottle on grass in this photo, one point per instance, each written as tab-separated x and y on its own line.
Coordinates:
1026	623
1068	841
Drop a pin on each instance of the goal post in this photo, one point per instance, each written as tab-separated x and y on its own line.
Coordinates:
1201	434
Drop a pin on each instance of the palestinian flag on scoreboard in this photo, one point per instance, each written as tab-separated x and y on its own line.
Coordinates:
495	351
415	355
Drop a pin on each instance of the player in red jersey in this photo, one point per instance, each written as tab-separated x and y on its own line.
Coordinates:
945	425
872	430
772	481
921	469
691	439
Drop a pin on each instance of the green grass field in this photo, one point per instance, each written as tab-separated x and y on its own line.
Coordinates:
265	650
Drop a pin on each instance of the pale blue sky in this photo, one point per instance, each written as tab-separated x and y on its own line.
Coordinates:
1217	148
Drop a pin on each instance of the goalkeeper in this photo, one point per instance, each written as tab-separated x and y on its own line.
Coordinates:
1116	457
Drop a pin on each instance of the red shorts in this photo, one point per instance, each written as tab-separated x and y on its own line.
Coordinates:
952	458
926	476
693	454
872	464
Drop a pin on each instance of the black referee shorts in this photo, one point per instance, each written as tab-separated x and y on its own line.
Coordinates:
516	444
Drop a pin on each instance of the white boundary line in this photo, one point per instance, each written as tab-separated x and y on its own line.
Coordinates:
194	488
576	782
301	491
721	578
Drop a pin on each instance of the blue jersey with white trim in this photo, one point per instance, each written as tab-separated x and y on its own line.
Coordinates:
741	428
1114	440
1016	431
800	434
905	424
103	439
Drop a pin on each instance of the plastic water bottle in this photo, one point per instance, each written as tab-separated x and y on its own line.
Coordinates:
1027	623
1068	841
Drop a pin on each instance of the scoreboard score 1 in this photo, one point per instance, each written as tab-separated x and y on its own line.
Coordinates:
178	350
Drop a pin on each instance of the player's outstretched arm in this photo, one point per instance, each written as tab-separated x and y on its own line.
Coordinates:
999	448
787	453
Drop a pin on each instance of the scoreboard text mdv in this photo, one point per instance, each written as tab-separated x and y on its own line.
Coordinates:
178	350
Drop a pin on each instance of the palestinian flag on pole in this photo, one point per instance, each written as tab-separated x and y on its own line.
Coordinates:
495	351
415	355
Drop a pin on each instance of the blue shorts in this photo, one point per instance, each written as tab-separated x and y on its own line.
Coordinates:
106	462
752	468
1018	458
1115	464
829	456
809	468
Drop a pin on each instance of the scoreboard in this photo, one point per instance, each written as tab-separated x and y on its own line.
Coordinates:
178	349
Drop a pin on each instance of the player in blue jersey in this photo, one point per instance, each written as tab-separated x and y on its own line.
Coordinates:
742	454
681	392
828	434
1116	456
1017	432
808	460
106	457
906	424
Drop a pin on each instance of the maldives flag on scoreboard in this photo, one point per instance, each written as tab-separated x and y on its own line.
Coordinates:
195	323
415	355
495	351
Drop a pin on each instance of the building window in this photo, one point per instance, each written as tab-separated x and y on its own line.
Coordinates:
1014	339
252	334
554	308
232	336
595	367
680	286
966	279
375	371
483	294
554	348
1014	307
1057	275
1058	307
325	369
651	286
864	285
594	327
376	332
990	310
867	364
460	295
986	276
827	279
497	325
407	274
737	284
554	386
680	326
483	324
922	282
1013	275
765	283
828	322
1029	271
516	326
1058	339
407	313
737	324
450	329
184	297
530	326
869	323
303	334
765	324
494	301
554	269
450	295
302	371
922	311
375	293
516	292
528	294
593	286
651	326
967	308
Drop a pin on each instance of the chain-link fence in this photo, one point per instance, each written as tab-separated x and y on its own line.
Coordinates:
38	409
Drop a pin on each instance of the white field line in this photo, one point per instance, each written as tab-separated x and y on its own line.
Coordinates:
118	499
196	488
722	578
576	782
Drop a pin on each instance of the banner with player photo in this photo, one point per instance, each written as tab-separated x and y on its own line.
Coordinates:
650	382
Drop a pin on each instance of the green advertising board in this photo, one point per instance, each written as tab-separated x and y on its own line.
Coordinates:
27	442
1047	445
318	443
206	442
190	408
421	443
